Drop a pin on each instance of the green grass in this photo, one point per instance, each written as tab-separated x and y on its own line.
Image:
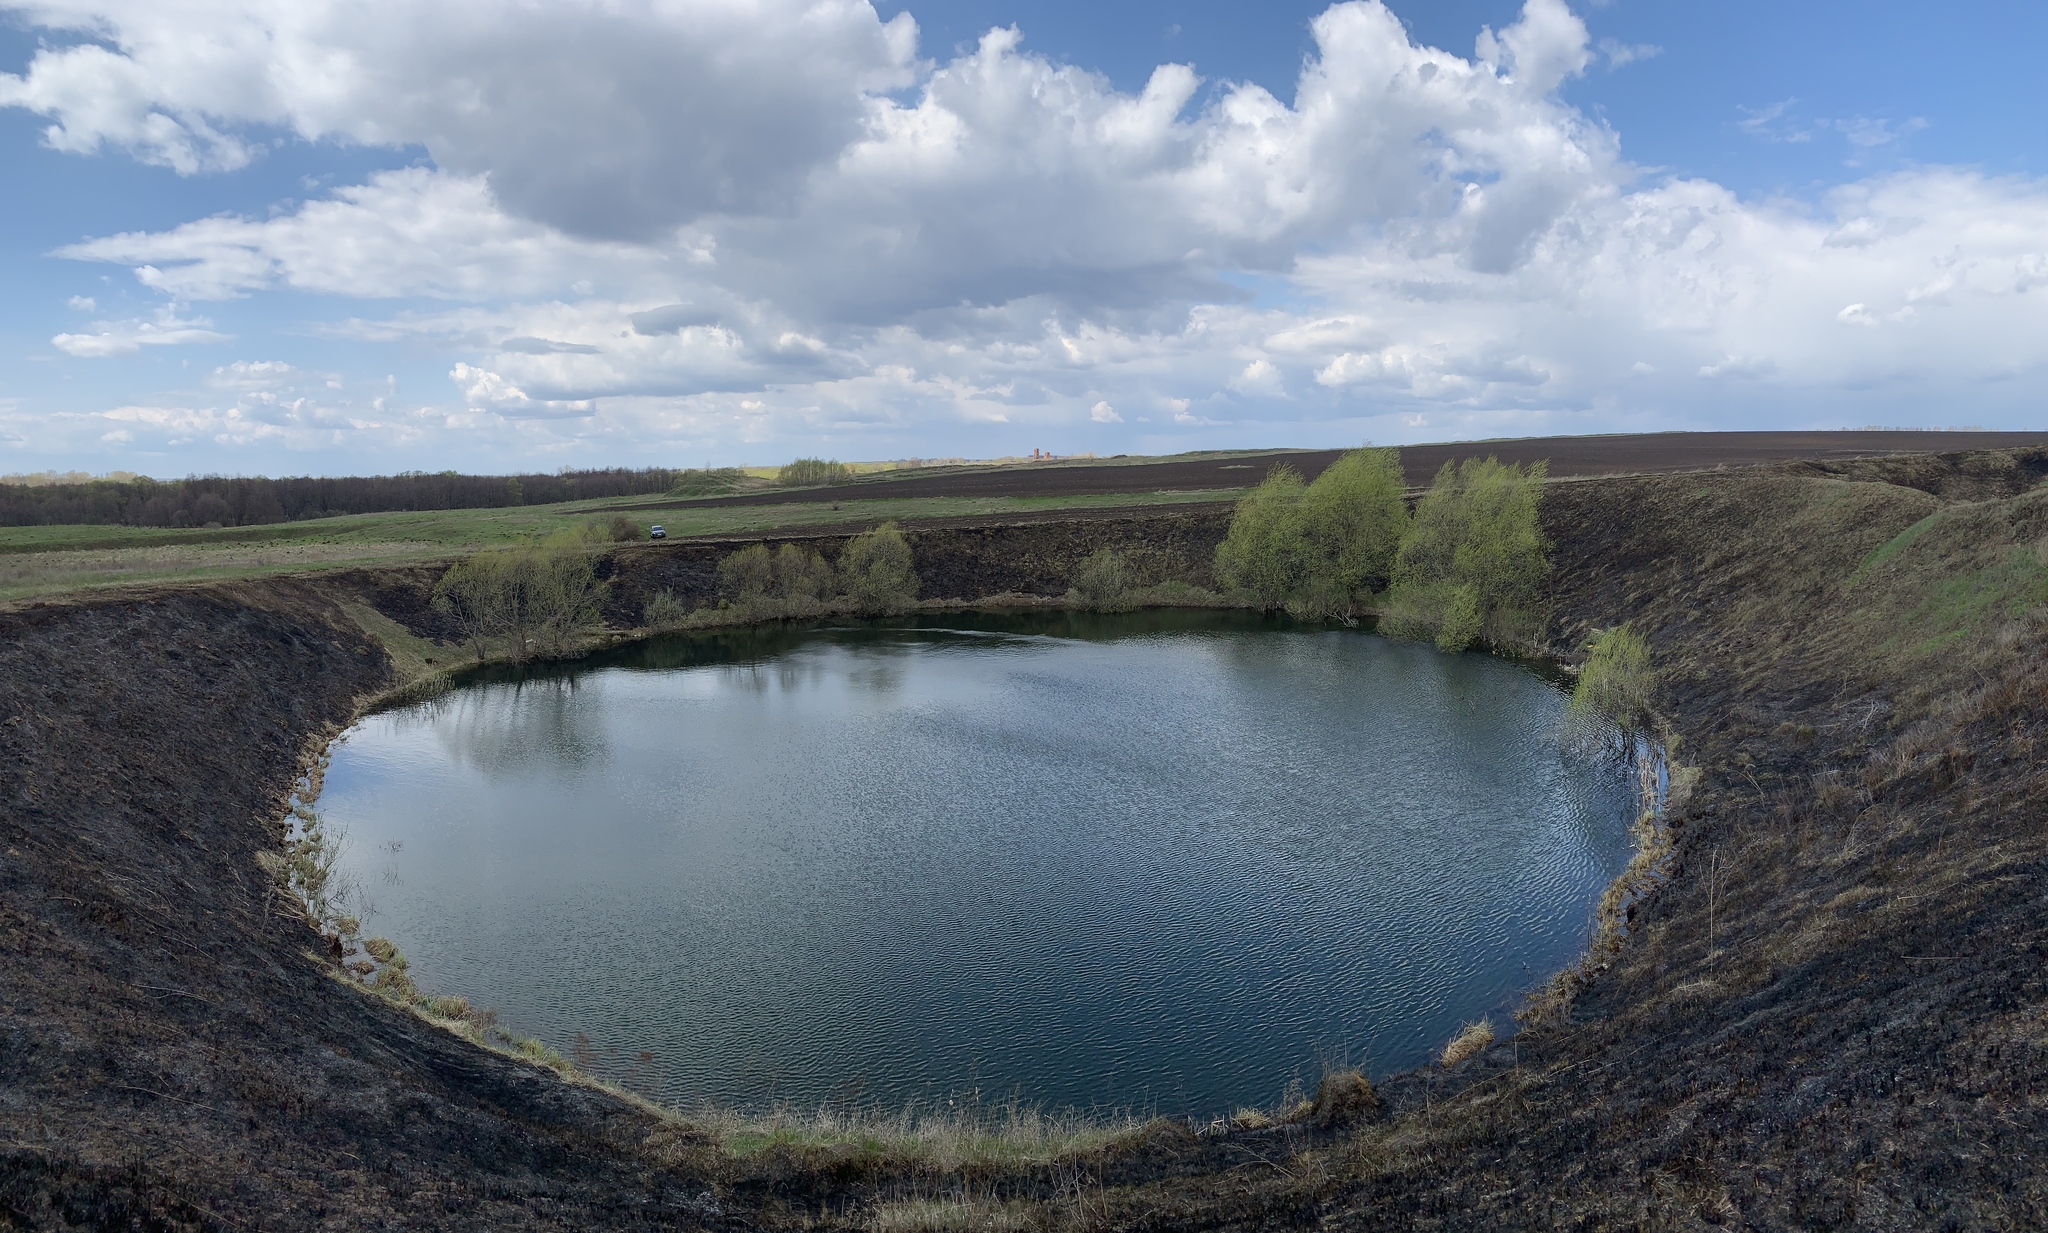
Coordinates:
43	561
1894	546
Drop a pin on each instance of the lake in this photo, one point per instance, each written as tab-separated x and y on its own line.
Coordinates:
1163	861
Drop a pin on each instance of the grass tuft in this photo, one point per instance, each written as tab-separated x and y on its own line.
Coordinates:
1471	1040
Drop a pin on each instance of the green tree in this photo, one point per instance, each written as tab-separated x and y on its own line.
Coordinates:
472	592
875	568
811	472
1474	561
563	594
1353	517
1319	550
537	596
1266	552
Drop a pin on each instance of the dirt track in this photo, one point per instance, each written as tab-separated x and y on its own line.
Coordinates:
1651	453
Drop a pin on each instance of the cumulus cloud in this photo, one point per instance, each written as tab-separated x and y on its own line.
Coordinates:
775	221
602	119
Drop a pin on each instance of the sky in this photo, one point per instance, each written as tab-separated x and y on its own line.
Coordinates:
311	237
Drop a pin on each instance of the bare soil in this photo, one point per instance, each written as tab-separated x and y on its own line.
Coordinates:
1834	1013
1568	457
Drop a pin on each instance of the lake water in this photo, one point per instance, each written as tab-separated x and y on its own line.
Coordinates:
1165	861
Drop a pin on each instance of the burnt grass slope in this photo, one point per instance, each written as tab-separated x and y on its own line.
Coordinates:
1832	1015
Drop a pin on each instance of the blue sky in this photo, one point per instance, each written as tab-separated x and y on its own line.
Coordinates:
263	238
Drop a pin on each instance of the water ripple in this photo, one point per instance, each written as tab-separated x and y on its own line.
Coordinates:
1168	871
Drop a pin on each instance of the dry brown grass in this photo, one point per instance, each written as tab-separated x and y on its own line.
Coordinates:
951	1216
1471	1041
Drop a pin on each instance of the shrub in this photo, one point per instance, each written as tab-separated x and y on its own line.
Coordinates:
563	592
473	592
1318	550
803	580
747	576
1354	516
812	472
1615	683
875	569
623	529
664	611
1102	582
1474	560
1265	554
533	595
310	858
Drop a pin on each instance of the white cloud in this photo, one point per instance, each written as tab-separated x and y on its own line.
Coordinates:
575	110
253	375
849	243
83	303
484	390
127	337
1618	53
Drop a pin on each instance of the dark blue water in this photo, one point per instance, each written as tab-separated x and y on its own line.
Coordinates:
1164	861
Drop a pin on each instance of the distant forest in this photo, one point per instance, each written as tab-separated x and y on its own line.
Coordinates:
210	500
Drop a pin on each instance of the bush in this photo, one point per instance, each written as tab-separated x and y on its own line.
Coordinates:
875	569
664	611
1318	550
811	472
624	530
746	577
1615	683
536	596
1354	517
1102	582
803	580
792	581
1265	553
1474	561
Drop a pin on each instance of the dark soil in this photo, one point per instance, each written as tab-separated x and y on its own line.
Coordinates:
1568	457
1864	1045
965	559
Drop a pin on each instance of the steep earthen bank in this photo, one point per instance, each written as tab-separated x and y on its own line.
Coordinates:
1865	846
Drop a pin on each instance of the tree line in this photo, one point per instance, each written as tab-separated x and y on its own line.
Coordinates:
872	575
1468	564
235	501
